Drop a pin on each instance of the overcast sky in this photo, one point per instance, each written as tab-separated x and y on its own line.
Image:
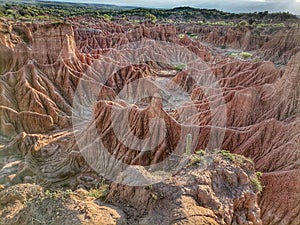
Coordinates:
226	5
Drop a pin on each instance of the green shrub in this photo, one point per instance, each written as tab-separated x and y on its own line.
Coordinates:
222	23
200	152
107	17
180	67
151	17
148	187
255	180
10	11
245	55
195	160
259	174
227	155
169	21
235	158
192	35
243	23
99	193
181	36
154	196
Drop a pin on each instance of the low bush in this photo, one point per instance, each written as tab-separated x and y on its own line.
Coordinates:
245	55
227	155
243	23
180	67
255	180
197	158
99	193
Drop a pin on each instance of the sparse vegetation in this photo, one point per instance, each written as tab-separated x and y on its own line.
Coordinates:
245	55
107	17
148	187
227	155
200	152
255	180
192	35
50	194
151	17
181	36
243	23
180	67
99	193
259	175
197	158
234	158
154	196
57	194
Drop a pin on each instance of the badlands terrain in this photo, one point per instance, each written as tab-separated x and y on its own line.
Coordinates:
130	121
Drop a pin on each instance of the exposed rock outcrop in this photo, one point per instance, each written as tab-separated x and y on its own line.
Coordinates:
193	196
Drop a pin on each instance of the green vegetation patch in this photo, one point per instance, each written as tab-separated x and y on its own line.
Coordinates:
227	155
62	10
181	36
255	180
243	23
245	55
234	158
180	67
57	194
99	193
197	158
192	35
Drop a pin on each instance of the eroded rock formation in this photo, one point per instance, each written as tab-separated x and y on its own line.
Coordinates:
78	103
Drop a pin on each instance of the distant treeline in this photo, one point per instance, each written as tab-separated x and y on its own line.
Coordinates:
51	10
